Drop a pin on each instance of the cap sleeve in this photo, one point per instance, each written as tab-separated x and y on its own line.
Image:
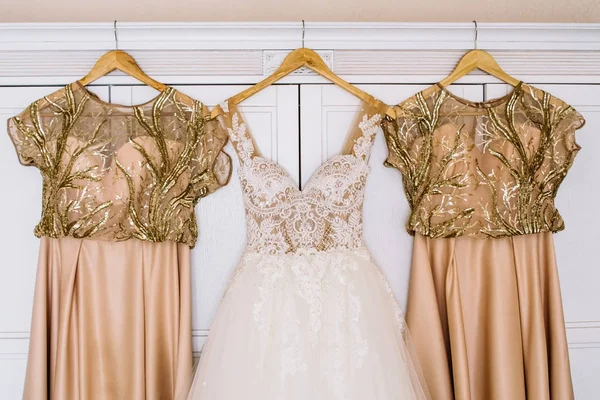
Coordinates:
401	134
556	116
567	121
28	135
35	128
217	137
558	122
214	164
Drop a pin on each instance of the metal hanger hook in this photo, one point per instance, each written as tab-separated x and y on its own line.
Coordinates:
476	34
303	31
116	37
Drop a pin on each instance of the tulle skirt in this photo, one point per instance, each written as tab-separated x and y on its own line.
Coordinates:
308	325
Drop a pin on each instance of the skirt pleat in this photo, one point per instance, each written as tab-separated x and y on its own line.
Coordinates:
487	318
111	320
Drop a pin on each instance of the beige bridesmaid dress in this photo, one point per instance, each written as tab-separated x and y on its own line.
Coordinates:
112	305
484	304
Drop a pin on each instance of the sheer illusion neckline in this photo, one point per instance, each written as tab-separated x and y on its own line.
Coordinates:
351	137
94	97
482	104
478	152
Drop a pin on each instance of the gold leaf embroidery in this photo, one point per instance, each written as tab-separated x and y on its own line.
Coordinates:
114	172
483	169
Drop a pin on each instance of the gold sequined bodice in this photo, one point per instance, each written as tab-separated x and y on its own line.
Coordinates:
115	172
483	169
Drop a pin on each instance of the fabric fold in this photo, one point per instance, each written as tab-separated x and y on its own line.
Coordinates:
425	317
111	320
487	318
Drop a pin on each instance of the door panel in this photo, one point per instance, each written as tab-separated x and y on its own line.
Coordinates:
576	247
327	113
21	206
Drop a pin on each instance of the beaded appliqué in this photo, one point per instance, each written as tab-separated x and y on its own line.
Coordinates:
318	278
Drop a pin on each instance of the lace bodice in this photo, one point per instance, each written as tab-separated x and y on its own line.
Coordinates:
115	172
483	169
325	215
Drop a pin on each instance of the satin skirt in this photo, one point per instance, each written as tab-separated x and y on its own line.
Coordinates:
111	320
487	318
318	326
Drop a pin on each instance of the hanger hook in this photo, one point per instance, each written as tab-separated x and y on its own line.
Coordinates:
476	33
303	31
116	37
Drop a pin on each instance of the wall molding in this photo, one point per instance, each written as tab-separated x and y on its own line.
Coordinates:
222	53
580	335
583	334
287	35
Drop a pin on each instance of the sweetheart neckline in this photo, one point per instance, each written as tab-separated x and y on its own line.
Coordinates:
315	172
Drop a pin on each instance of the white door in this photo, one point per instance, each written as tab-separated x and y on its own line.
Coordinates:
20	202
577	246
327	113
272	117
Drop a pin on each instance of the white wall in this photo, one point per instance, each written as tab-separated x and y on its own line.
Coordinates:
296	10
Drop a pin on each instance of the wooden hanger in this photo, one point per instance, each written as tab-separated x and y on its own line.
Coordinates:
304	57
118	59
476	59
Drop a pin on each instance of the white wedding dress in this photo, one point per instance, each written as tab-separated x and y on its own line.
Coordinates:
307	314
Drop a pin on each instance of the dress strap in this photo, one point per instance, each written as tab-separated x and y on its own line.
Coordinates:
240	136
365	127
